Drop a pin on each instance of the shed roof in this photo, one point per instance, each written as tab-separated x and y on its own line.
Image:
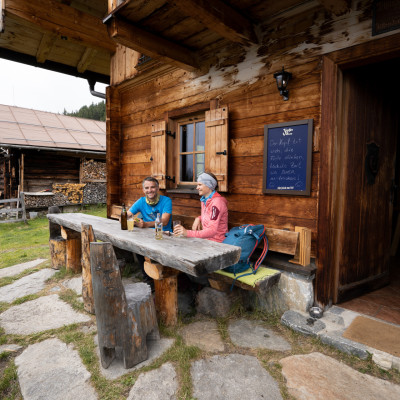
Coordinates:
25	127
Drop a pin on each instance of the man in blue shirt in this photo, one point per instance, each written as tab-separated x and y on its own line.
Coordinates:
149	206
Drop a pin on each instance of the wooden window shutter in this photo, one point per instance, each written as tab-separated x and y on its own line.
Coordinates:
216	157
159	152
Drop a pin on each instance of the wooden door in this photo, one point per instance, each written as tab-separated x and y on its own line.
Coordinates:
370	123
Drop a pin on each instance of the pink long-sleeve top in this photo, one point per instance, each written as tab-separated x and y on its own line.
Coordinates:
214	218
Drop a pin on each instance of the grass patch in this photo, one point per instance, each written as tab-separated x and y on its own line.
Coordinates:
9	386
22	242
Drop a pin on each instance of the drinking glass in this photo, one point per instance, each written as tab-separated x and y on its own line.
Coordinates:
175	223
130	223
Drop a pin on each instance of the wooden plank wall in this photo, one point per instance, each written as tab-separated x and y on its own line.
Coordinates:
38	176
249	89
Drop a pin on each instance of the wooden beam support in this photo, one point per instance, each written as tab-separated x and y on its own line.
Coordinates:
152	45
61	19
220	18
166	290
45	47
86	59
336	7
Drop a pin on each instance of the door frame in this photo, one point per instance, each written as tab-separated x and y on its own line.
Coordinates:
333	64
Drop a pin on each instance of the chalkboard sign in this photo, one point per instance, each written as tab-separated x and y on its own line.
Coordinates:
287	157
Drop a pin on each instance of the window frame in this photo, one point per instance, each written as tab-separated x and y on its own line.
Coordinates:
194	118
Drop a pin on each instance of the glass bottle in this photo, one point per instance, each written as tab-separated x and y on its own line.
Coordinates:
124	218
158	227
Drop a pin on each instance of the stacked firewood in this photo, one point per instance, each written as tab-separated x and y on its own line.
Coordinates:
73	191
92	169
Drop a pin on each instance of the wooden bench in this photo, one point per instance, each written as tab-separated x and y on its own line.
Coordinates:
280	243
125	313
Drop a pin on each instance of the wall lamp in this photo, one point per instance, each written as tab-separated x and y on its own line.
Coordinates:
282	80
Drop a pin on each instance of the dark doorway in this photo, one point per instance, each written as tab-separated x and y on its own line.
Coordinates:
368	173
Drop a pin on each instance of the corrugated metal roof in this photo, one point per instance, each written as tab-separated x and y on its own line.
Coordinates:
26	127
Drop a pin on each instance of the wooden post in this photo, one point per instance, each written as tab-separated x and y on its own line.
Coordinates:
166	291
303	251
73	249
87	286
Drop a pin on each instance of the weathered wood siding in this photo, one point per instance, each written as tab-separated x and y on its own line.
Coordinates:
242	80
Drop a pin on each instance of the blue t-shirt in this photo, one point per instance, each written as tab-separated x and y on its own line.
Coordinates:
149	213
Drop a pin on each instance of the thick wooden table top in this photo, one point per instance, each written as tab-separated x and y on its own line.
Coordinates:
196	257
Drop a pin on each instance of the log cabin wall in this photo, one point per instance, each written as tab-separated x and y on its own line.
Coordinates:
38	176
243	81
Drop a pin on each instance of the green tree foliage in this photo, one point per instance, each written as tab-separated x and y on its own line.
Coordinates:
94	111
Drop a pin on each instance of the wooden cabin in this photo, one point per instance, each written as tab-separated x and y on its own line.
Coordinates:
43	152
194	86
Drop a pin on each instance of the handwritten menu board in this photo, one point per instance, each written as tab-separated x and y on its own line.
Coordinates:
287	157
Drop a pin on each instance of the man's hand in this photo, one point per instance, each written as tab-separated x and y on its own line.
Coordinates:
140	223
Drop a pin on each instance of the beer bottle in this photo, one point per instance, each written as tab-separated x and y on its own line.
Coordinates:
124	218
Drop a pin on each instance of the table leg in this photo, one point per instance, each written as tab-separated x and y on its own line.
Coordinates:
73	249
166	291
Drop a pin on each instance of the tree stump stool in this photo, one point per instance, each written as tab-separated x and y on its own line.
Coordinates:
125	314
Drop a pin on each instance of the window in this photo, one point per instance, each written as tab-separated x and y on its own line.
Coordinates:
191	151
188	145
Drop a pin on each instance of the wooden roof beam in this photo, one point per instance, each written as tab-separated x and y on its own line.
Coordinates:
152	45
86	59
45	47
61	19
220	18
336	7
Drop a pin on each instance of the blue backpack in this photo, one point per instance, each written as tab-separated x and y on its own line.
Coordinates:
247	237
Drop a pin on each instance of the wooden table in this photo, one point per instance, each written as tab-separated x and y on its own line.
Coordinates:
196	257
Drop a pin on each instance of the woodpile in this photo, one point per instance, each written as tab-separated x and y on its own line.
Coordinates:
73	191
95	193
93	170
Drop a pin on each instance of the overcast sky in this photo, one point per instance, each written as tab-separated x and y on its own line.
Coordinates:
39	89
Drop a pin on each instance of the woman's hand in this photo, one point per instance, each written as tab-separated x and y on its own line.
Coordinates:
179	230
196	224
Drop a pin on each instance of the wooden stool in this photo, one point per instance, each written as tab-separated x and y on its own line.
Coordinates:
125	315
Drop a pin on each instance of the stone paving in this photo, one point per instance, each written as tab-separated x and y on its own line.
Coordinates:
52	369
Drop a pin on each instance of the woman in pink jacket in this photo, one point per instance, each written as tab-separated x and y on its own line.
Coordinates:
214	212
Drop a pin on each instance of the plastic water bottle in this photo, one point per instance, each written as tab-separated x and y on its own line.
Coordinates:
158	227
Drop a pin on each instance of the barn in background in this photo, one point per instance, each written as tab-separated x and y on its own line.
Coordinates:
54	159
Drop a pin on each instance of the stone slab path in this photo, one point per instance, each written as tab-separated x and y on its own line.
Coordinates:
227	369
17	269
53	370
44	313
29	284
318	377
